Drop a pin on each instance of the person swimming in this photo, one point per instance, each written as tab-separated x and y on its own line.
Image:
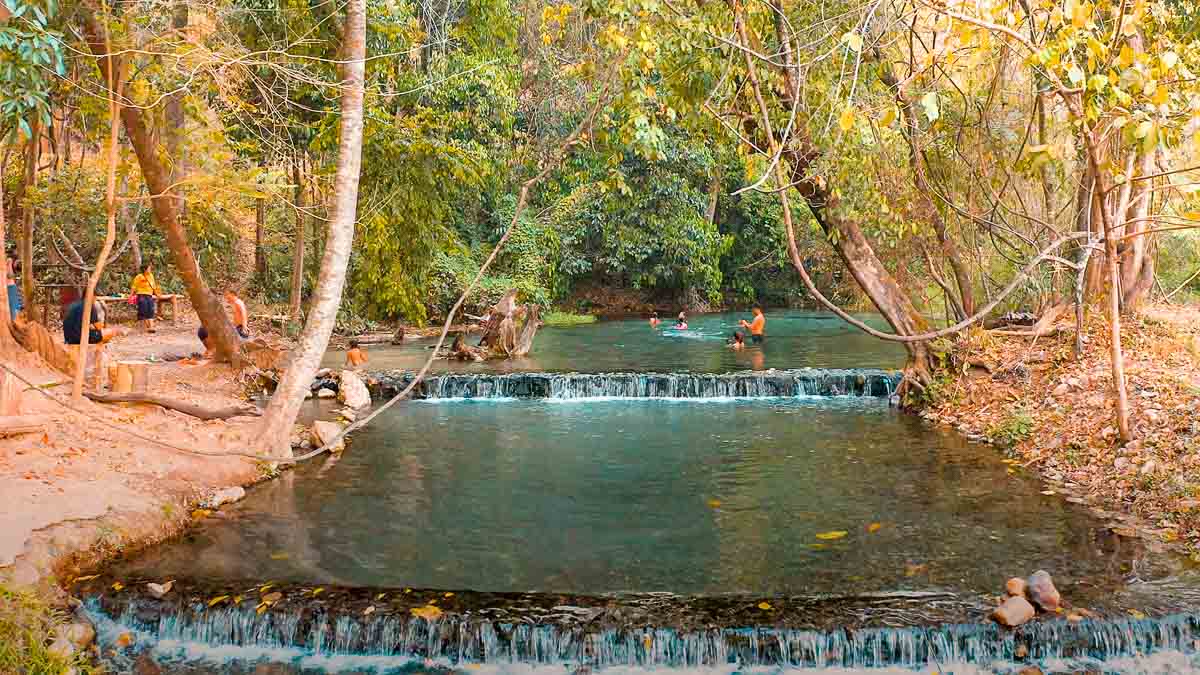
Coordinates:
681	324
757	326
654	320
737	341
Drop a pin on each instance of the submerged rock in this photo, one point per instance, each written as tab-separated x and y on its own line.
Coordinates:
323	432
1013	612
159	590
326	393
1042	592
352	391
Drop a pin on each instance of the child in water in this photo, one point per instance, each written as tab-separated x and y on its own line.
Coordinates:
654	321
355	356
682	323
737	341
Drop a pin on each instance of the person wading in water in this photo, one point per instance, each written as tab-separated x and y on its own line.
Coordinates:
757	326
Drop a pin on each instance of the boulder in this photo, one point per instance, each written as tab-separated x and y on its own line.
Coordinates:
326	393
1015	587
1013	612
80	634
324	432
223	496
1041	591
352	391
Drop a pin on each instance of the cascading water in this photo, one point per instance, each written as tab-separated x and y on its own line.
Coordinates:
582	386
379	632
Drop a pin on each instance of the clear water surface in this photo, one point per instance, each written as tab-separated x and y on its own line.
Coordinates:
786	496
795	339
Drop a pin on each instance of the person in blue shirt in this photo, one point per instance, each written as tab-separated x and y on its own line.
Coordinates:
15	302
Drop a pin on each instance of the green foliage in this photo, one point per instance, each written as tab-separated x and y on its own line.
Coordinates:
30	57
1016	427
27	626
567	319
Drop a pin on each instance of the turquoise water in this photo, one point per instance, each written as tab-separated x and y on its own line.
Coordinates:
795	339
688	497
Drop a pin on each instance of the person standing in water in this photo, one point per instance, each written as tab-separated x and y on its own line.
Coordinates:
681	324
757	327
654	320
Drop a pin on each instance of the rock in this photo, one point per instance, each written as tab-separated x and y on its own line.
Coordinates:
159	590
323	432
80	634
1041	591
1021	651
62	648
1015	587
1062	389
326	393
323	373
1014	612
223	496
308	394
352	391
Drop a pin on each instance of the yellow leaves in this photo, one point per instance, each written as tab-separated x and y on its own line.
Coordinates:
1168	59
833	534
380	597
1160	95
1125	59
217	600
272	598
317	591
117	586
280	555
889	116
714	503
428	612
765	606
264	588
199	514
448	594
853	40
87	578
1136	614
846	120
873	528
1080	14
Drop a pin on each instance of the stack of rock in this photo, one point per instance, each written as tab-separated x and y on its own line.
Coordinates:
1025	597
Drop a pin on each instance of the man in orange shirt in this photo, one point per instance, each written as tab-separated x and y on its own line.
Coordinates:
757	326
241	318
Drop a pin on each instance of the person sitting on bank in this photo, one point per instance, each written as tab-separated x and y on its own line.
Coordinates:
355	356
738	341
757	326
654	320
681	324
241	319
146	289
15	303
97	332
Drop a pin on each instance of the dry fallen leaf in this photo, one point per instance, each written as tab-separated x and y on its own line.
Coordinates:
117	586
833	534
280	555
764	605
218	599
272	598
428	612
874	527
714	503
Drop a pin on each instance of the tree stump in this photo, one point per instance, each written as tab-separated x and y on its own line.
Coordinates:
129	377
10	396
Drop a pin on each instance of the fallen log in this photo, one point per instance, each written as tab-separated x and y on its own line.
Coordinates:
11	425
184	407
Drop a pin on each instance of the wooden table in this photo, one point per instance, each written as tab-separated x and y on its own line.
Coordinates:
166	299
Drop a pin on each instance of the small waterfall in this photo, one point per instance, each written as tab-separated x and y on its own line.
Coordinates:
303	631
576	386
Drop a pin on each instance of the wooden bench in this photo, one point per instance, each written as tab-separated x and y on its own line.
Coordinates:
112	301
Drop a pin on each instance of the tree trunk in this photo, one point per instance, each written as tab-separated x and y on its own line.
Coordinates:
1136	279
207	305
281	413
176	122
260	222
131	229
115	78
294	300
26	251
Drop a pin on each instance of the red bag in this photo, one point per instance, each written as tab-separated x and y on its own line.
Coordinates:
132	299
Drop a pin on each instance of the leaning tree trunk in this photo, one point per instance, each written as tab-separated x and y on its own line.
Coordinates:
166	214
285	404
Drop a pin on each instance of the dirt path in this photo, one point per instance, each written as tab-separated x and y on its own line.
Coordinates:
83	487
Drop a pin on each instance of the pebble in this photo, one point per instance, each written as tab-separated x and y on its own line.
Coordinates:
1013	612
224	496
1015	587
159	590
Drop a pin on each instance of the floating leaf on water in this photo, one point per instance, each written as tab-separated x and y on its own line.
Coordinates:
264	588
428	612
448	595
218	599
380	596
764	605
818	547
1136	614
317	591
237	599
874	527
280	555
272	598
714	503
117	586
832	534
369	610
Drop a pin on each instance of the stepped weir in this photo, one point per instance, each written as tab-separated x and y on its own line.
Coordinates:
375	630
577	386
